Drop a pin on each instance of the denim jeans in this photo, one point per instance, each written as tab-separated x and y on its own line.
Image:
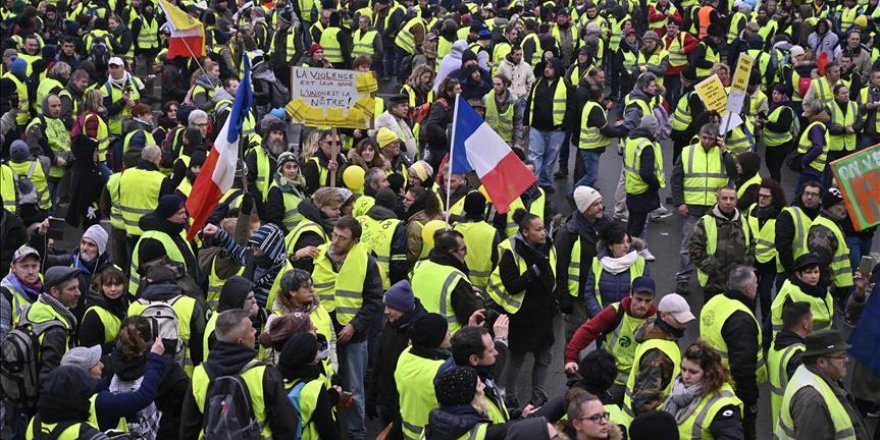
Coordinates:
621	211
685	267
352	369
858	248
591	167
544	149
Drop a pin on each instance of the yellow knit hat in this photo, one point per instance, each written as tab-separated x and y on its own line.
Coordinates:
385	137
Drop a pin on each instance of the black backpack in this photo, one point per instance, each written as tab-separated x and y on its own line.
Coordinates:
229	414
100	54
20	362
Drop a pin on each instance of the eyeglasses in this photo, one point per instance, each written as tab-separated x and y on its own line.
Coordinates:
596	418
811	194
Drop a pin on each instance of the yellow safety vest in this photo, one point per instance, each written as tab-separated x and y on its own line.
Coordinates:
292	217
215	285
802	378
103	138
121	424
733	31
754	180
304	226
43	90
172	252
591	138
252	377
405	38
765	237
183	306
621	343
801	222
8	189
841	267
699	422
21	118
433	285
308	401
377	236
712	56
560	97
110	321
72	432
416	400
332	50
148	139
538	56
362	43
711	227
677	59
537	208
824	90
712	318
511	302
841	142
671	350
772	138
500	122
264	173
58	138
115	93
341	291
635	271
822	308
654	60
681	117
138	196
479	237
777	363
704	173
632	163
34	170
148	37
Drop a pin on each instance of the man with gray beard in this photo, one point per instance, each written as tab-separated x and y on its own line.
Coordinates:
261	162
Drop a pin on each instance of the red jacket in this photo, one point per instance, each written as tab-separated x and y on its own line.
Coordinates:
596	327
690	43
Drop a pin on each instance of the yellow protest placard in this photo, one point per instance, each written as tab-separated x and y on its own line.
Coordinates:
332	98
741	76
712	92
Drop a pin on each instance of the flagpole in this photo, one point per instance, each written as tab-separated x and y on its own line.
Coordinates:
193	55
451	154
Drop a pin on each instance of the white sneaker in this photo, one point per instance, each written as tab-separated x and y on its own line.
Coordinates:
660	213
647	255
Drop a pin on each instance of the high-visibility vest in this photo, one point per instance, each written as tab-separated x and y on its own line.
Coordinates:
34	170
183	306
655	59
171	250
662	23
801	222
433	285
502	123
479	237
677	59
330	43
72	432
21	118
841	267
538	207
148	139
148	38
802	378
710	224
292	217
116	220
444	47
704	173
805	144
538	55
574	269
46	87
768	31
115	94
290	44
341	291
765	237
772	138
305	225
511	302
630	58
253	377
848	16
671	350
741	138
841	142
754	180
264	172
215	285
103	138
822	308
733	31
560	97
712	318
121	424
306	9
621	343
591	138
58	138
681	117
777	370
108	319
416	400
557	36
711	55
8	189
499	52
616	35
138	196
308	402
703	21
377	236
362	43
698	424
405	38
824	90
632	163
635	270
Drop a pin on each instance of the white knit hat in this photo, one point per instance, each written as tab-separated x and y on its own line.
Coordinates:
585	196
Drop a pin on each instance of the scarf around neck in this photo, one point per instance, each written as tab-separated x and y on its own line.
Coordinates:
615	266
683	400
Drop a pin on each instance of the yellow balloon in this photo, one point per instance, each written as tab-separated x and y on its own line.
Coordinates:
353	177
428	234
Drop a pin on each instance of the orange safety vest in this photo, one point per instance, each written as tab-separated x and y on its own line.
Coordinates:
703	19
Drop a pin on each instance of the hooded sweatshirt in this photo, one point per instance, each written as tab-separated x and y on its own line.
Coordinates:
449	63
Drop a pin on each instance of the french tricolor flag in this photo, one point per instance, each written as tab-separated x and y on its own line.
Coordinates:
218	172
476	146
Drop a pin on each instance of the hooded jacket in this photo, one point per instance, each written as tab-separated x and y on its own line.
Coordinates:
228	359
398	269
449	63
65	398
150	249
731	248
544	93
309	212
381	388
453	422
91	331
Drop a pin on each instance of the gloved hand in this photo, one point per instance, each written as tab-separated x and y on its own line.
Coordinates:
566	303
247	203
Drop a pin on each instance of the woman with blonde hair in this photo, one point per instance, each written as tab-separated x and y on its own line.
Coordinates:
418	87
702	399
203	84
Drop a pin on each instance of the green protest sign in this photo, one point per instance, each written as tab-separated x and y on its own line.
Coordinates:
858	177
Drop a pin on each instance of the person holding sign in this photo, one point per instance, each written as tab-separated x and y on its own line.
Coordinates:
327	160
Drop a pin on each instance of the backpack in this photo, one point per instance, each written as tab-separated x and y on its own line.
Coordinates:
100	54
294	396
228	411
166	325
19	362
25	188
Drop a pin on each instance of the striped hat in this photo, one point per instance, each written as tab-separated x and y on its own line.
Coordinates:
270	240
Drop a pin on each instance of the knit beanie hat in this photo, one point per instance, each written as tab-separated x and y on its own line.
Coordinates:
285	327
468	55
97	235
18	67
287	156
233	293
385	197
456	386
400	296
654	425
314	48
422	170
270	240
429	330
385	137
474	204
831	198
585	196
300	349
169	204
19	151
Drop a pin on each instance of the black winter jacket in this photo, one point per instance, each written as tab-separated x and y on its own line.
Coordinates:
740	331
381	387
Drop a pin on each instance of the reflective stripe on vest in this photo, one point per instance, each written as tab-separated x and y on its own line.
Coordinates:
841	267
560	97
622	344
479	237
822	308
777	366
341	291
632	164
712	318
377	237
511	302
802	378
590	137
697	425
503	122
416	400
171	251
847	141
704	173
671	350
138	196
433	284
253	378
330	43
772	138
